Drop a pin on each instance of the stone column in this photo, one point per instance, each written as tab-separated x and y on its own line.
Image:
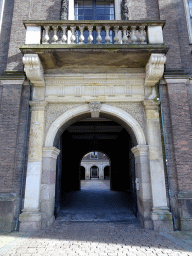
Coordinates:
30	218
162	218
143	185
101	172
47	197
87	173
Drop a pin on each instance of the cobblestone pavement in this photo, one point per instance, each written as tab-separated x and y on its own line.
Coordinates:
92	238
98	237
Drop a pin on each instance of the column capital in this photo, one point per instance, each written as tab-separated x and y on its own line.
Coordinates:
38	105
140	150
51	152
34	69
150	105
154	69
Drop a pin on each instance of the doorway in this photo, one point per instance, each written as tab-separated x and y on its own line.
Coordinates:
94	172
95	135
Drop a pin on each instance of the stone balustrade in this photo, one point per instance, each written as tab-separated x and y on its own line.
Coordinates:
94	32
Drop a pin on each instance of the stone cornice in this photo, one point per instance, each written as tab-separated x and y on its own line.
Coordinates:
34	69
12	77
185	195
154	69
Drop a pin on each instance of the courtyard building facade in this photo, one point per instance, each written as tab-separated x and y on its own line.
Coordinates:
109	78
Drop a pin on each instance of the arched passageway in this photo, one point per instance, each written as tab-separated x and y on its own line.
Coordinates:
103	135
82	173
106	173
65	145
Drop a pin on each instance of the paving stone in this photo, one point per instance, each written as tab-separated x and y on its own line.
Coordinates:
99	238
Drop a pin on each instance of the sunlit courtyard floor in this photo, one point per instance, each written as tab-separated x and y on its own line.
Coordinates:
89	233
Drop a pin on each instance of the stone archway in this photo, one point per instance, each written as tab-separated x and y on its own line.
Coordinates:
151	197
94	171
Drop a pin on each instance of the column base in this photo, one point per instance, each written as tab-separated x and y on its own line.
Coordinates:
186	224
162	219
47	222
145	222
9	209
30	221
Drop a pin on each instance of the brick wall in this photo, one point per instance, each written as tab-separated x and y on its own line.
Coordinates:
182	134
14	107
168	11
5	34
152	9
137	10
171	170
9	121
39	10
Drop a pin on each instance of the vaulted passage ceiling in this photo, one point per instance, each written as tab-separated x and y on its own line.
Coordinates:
95	129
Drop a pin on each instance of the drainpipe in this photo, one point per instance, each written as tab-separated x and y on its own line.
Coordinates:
173	201
24	160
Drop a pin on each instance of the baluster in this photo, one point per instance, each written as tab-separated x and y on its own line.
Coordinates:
116	38
125	37
90	38
81	37
55	37
73	37
142	35
107	38
99	38
133	34
46	35
64	36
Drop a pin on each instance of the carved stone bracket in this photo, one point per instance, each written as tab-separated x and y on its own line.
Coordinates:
95	107
154	69
64	9
33	69
125	9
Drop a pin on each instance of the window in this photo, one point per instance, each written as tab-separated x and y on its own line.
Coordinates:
94	10
188	14
94	155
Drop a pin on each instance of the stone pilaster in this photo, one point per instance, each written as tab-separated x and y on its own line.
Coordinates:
101	172
162	218
47	197
30	218
144	197
87	173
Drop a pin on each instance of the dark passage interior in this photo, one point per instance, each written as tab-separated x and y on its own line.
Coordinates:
89	135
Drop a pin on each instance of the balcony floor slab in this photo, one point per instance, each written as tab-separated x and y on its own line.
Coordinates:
66	55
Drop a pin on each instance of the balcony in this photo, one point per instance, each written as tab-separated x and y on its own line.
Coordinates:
92	43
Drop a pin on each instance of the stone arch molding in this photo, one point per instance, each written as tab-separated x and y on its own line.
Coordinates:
114	111
39	200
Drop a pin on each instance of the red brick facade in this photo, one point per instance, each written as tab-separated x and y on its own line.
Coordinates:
175	96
